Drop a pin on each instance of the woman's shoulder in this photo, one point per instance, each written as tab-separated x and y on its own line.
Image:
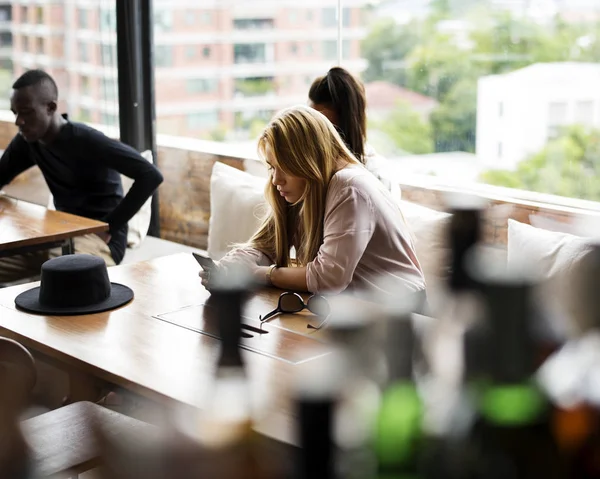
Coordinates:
380	167
353	177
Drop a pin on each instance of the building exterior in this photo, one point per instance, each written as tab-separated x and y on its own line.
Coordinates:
221	65
518	112
384	97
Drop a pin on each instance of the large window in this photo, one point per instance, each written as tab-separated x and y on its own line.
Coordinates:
250	53
75	43
492	92
224	68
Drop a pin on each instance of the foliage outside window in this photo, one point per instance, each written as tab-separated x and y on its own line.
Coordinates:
254	86
428	57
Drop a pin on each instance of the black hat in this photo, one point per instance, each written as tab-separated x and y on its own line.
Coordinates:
74	284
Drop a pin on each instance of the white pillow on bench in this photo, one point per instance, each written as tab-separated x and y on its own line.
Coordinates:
237	206
140	222
547	253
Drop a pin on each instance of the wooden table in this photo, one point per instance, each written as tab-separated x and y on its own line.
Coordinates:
131	348
26	227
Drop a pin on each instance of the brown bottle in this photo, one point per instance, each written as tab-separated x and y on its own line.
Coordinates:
569	376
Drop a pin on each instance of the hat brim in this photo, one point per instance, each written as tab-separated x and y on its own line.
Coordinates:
29	301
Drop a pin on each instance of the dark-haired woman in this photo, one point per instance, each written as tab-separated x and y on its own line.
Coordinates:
341	98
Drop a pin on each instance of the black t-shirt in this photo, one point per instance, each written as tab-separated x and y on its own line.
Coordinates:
82	167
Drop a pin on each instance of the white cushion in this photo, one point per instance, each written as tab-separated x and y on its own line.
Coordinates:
140	222
429	233
237	206
554	258
547	253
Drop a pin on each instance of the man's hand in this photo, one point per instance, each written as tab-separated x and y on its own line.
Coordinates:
104	236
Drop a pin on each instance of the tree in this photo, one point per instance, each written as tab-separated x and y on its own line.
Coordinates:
385	49
436	65
454	121
407	129
568	165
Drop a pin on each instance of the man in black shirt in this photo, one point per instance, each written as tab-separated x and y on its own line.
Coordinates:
82	168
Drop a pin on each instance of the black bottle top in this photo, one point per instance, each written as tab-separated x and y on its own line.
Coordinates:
227	299
464	233
510	313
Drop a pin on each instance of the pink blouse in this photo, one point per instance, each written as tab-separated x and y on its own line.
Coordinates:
366	241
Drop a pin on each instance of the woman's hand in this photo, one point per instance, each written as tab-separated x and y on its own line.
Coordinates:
207	276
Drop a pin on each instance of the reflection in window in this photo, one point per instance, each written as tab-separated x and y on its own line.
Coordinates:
82	48
85	115
584	112
346	49
202	85
249	53
256	86
203	120
86	89
108	53
330	50
109	119
163	55
5	39
39	45
108	19
329	17
190	52
110	89
557	117
83	17
5	13
206	18
163	20
190	18
206	52
252	23
39	15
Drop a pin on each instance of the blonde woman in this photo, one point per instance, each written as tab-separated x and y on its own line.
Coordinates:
347	230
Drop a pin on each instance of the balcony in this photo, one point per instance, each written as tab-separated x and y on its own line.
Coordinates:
253	87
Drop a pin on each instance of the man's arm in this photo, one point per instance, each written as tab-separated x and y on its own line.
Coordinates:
129	162
15	160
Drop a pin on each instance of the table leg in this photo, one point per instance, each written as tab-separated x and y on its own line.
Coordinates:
68	247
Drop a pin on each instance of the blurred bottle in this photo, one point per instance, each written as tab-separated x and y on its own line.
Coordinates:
352	333
399	421
512	431
572	376
224	429
457	304
316	395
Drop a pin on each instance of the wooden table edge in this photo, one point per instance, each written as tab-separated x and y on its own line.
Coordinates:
64	359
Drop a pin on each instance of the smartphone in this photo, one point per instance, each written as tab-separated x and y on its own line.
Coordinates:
205	262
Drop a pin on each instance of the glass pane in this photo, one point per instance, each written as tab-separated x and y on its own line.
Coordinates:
82	59
501	92
223	68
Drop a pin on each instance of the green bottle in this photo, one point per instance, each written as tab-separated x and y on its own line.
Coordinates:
399	421
512	430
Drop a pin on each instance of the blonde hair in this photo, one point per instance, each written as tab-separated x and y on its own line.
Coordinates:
306	145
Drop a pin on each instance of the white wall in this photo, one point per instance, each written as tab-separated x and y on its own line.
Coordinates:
526	96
